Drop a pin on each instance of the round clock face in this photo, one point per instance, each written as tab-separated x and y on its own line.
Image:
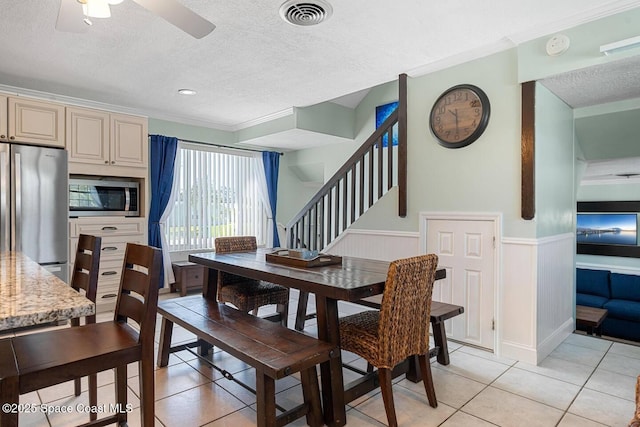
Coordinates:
459	116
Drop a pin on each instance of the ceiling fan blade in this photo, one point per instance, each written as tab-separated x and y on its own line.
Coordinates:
179	15
70	17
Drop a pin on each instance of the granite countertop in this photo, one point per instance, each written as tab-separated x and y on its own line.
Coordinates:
30	295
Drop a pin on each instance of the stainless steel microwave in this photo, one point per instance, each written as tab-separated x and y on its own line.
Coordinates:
98	197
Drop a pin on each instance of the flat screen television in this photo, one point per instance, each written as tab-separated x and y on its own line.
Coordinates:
608	228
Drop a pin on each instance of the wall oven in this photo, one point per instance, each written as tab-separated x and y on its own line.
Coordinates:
108	196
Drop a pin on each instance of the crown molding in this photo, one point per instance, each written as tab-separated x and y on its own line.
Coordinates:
264	119
69	100
461	58
578	19
159	115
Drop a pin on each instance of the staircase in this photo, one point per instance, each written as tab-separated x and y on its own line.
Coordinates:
367	176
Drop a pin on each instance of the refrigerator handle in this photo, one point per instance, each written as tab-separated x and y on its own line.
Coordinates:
18	207
4	204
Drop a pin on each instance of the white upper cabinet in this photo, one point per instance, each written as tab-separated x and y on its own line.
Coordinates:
129	141
34	122
88	136
117	142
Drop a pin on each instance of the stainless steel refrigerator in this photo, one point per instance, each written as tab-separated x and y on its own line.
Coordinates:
34	204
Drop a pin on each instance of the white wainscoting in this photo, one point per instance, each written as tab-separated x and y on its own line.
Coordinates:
376	244
516	307
556	292
537	296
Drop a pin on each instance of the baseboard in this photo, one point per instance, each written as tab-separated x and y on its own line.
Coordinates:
554	340
536	355
517	351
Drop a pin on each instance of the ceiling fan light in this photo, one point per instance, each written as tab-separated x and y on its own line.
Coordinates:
96	9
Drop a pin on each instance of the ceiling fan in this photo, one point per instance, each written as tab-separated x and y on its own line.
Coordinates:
75	15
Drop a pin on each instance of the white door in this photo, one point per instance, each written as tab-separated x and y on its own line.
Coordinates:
466	249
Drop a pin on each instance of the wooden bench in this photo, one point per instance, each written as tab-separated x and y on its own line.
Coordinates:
273	350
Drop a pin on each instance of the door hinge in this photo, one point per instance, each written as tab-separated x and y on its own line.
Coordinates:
494	242
493	324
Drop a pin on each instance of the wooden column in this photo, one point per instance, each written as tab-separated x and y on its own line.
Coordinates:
527	141
402	145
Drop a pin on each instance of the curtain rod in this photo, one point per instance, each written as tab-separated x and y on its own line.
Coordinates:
225	146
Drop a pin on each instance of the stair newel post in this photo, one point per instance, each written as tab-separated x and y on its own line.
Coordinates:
402	145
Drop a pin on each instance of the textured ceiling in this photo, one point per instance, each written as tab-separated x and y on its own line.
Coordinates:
599	84
254	65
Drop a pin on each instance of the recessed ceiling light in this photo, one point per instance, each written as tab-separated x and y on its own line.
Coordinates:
186	91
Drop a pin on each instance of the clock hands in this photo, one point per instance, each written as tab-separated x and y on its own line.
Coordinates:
456	116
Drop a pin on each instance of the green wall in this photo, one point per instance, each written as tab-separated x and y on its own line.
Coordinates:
554	159
483	176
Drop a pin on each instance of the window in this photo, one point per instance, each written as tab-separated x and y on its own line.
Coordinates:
216	194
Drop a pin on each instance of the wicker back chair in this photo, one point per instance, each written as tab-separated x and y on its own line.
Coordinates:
248	294
400	329
635	422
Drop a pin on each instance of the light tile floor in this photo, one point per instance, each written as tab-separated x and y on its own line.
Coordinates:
585	382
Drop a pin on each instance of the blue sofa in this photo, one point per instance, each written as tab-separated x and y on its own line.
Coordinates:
618	293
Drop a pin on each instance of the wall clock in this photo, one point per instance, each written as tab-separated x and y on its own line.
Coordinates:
459	116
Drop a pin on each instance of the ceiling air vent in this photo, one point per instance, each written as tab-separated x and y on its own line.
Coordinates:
305	13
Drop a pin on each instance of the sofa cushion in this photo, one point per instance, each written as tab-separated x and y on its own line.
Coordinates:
593	282
625	286
591	300
623	309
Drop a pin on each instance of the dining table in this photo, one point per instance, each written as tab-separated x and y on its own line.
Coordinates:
351	279
30	295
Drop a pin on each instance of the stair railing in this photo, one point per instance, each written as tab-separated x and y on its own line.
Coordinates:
365	177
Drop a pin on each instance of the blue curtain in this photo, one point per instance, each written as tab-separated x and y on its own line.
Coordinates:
162	163
271	162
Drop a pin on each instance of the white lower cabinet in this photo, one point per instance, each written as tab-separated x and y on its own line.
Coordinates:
115	232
